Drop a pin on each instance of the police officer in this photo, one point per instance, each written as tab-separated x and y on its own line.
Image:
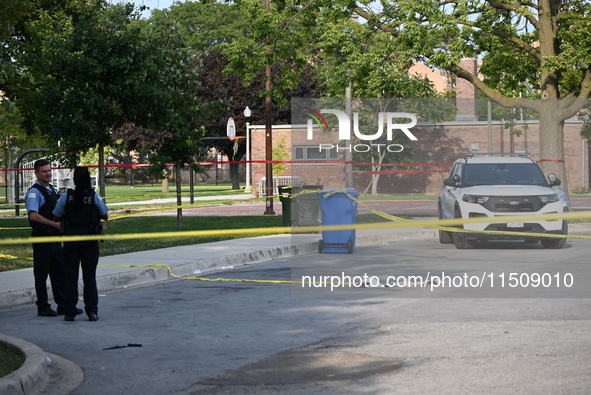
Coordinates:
40	200
81	210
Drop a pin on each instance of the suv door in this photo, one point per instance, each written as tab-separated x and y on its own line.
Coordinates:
449	194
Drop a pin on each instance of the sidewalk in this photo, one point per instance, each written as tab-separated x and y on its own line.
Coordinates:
238	196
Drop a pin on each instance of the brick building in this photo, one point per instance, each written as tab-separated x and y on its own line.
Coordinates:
437	144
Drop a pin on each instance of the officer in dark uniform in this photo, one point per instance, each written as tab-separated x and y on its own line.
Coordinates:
41	199
80	211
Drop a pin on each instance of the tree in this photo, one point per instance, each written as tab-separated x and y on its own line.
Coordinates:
10	12
344	53
276	38
205	25
76	62
169	112
207	28
85	68
355	55
13	138
225	95
280	153
536	49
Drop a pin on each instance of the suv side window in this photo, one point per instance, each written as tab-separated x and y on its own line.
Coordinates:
457	170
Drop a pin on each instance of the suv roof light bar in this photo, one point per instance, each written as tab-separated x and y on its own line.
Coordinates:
473	154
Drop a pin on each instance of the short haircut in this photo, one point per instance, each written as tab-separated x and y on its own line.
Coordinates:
82	178
40	163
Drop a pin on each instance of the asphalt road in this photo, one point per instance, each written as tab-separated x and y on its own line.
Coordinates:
267	338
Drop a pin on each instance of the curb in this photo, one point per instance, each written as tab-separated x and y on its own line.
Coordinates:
32	376
143	276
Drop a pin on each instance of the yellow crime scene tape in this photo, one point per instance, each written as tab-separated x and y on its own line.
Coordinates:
396	222
171	274
436	223
13	257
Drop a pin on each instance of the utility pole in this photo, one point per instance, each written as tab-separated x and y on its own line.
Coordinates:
348	153
268	136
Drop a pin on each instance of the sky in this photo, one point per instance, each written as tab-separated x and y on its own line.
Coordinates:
153	4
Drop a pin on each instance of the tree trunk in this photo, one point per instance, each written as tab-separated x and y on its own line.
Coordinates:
179	200
376	177
552	142
7	176
235	176
374	183
129	171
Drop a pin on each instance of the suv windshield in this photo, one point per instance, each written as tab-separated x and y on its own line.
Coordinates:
503	174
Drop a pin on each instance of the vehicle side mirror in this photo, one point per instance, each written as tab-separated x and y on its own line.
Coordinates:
553	180
452	181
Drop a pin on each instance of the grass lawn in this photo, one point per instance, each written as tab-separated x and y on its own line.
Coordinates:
125	193
24	252
9	360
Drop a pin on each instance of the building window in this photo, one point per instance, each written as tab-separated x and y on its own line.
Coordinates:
315	152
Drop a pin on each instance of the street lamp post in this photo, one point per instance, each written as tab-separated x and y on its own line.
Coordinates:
247	114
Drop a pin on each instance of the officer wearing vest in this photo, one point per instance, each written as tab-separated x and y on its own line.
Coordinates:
40	200
80	212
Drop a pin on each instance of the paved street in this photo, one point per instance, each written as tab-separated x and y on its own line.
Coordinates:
266	338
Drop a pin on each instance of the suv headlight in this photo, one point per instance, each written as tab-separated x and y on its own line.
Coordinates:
475	199
545	199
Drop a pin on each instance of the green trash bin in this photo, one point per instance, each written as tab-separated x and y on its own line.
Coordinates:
306	205
285	198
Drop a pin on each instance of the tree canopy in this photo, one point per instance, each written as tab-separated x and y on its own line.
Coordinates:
83	69
205	25
532	54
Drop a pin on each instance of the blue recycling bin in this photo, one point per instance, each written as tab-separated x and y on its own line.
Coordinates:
338	208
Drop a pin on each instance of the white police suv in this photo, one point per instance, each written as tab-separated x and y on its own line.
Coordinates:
491	186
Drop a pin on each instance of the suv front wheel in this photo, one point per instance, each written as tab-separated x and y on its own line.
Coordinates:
445	237
460	239
555	243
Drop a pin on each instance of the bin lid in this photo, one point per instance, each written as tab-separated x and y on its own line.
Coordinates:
339	191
